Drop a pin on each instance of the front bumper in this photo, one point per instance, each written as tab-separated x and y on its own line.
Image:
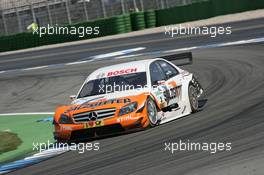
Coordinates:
90	130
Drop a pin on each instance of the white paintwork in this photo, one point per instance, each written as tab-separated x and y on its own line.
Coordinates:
182	80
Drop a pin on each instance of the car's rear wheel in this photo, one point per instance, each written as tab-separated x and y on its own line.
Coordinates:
152	112
193	98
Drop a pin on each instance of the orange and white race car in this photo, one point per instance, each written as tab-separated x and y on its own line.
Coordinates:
122	97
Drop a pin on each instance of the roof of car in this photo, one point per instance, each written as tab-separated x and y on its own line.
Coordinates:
133	66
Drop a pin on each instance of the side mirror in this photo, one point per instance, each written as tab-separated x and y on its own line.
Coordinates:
73	97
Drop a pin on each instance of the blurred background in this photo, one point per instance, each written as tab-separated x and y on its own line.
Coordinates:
16	15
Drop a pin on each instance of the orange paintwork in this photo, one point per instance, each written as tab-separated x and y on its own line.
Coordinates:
128	121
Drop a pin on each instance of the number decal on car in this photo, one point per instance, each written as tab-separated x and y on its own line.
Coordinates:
93	124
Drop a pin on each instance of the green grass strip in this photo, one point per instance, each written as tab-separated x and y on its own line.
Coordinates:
10	141
28	130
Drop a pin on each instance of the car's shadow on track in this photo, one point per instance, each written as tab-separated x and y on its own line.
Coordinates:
104	137
202	103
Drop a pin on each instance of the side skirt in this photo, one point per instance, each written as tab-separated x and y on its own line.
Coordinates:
179	112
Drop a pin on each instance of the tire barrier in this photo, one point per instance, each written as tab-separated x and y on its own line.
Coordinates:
138	21
127	21
150	18
118	25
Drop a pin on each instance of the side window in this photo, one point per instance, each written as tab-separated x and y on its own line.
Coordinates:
168	69
156	74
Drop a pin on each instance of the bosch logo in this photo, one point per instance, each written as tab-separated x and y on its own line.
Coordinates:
122	72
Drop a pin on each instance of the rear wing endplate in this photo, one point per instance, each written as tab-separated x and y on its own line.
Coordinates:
181	58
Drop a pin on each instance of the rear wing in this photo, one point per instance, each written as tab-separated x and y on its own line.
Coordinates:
181	58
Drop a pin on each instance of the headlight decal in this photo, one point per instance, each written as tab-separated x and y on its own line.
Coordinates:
141	108
64	119
128	108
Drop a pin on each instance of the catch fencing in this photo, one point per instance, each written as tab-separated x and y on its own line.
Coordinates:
17	15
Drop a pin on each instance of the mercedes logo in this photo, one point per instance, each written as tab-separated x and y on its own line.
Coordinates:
93	116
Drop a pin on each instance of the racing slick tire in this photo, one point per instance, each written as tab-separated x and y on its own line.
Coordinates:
152	112
193	98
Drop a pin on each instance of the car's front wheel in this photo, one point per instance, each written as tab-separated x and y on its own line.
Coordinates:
152	112
193	98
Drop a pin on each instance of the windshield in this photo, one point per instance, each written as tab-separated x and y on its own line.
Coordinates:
113	84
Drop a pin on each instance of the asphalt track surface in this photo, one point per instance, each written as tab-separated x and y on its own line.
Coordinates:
233	78
154	42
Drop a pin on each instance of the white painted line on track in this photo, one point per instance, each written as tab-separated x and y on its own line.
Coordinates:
128	56
78	62
4	172
118	53
180	50
123	53
35	68
250	41
46	154
38	157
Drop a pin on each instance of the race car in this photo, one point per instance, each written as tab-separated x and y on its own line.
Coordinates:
128	96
